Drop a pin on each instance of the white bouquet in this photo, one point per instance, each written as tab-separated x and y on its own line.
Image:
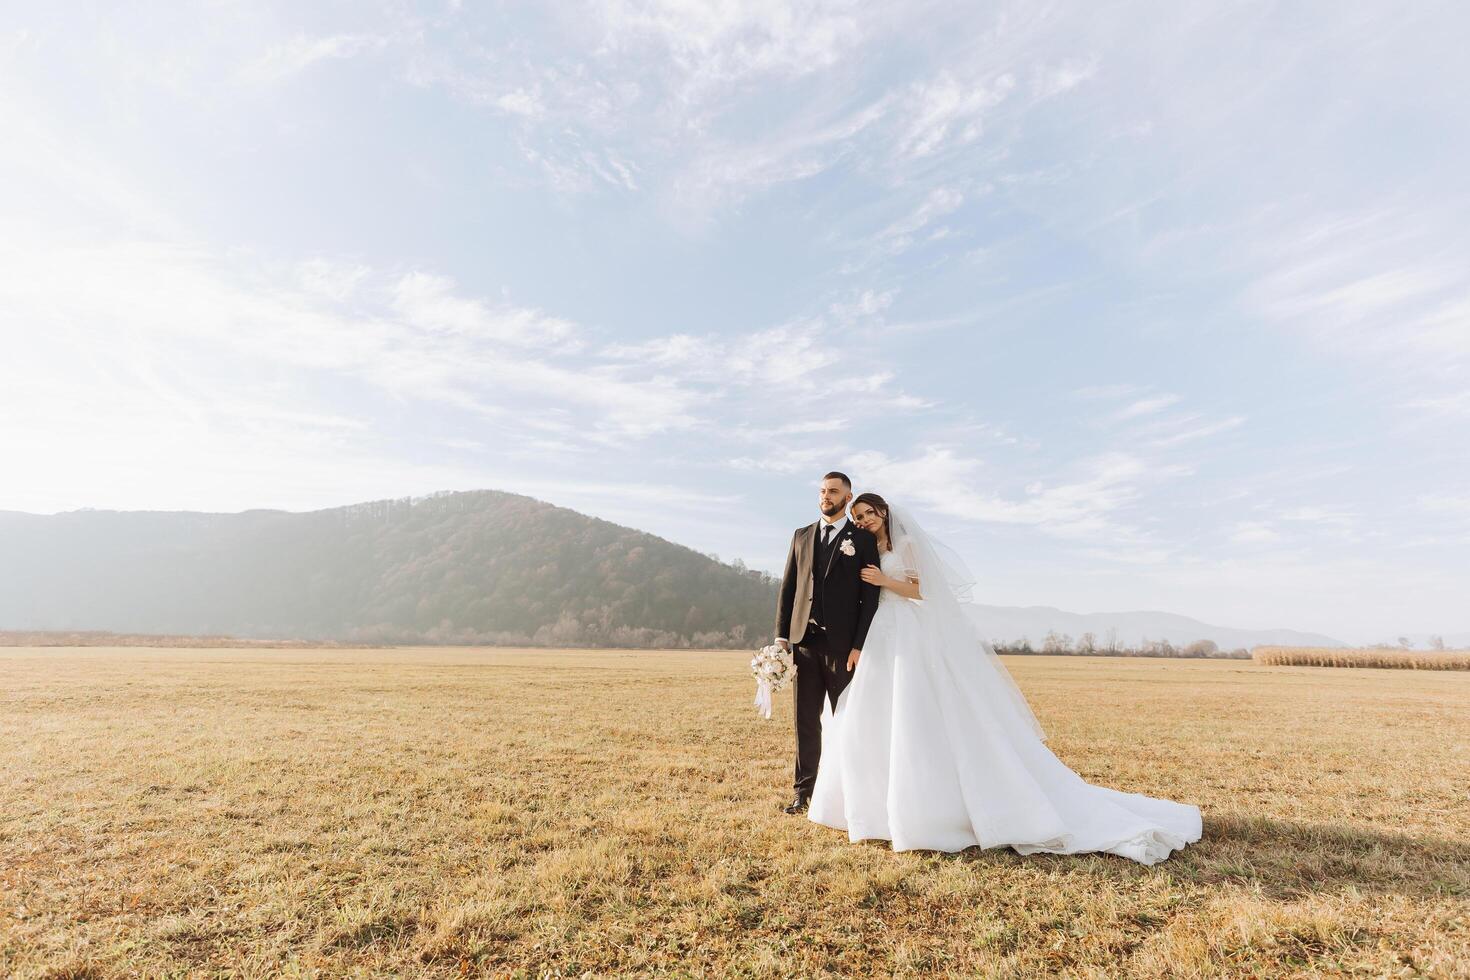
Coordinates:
773	668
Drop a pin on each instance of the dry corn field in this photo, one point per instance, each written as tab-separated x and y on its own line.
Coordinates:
1339	657
443	812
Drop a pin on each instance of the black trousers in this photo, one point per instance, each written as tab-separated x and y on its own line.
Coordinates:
820	672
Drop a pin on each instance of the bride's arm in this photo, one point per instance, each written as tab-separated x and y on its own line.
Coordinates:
907	587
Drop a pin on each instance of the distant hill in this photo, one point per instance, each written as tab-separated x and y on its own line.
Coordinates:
1011	624
476	567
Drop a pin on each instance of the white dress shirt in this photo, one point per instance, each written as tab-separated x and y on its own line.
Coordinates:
837	527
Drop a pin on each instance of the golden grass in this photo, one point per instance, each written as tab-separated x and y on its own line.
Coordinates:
1340	657
447	812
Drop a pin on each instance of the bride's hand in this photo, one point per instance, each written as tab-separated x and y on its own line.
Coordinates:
873	575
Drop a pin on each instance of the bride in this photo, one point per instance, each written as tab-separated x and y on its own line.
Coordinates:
933	747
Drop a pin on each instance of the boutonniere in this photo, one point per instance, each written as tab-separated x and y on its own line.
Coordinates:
846	547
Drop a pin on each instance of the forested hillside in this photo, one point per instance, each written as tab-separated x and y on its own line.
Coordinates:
475	567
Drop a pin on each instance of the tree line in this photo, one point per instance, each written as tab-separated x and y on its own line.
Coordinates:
1088	645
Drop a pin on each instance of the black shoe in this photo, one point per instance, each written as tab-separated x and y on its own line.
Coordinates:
797	805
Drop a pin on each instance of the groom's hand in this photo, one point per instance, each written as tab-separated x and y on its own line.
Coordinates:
852	658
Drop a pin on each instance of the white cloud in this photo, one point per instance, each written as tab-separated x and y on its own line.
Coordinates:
54	176
786	358
783	357
1450	504
521	102
1146	406
798	377
1189	428
792	460
948	110
431	303
301	52
1254	532
467	445
724	100
1084	508
900	235
724	173
1055	80
1456	404
1320	515
1387	285
726	41
813	426
673	350
1105	392
859	384
570	167
866	306
418	339
333	281
1147	427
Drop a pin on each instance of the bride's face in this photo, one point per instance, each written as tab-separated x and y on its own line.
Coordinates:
867	517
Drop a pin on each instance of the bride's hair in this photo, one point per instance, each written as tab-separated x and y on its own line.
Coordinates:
881	506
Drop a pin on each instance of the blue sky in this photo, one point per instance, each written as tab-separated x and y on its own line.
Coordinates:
1142	305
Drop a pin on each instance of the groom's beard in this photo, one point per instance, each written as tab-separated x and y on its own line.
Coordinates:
830	513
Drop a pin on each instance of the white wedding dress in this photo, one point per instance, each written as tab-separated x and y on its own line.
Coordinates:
932	747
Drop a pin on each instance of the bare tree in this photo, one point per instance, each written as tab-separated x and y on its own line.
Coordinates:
1087	644
1113	640
1202	648
1160	648
1436	643
1056	643
1405	643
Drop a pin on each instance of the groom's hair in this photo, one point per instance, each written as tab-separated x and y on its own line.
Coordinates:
835	475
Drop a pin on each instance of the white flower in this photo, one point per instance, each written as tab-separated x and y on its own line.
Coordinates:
846	547
773	667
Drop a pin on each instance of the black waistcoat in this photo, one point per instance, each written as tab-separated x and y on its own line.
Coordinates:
820	557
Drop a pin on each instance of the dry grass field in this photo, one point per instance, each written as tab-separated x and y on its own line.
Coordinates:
1339	657
447	812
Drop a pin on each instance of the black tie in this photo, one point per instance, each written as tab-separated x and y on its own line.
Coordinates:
826	537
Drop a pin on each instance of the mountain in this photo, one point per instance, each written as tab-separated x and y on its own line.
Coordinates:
475	567
1010	624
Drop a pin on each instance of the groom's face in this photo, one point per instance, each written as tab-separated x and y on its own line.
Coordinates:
833	497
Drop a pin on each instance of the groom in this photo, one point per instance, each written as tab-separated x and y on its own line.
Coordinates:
826	607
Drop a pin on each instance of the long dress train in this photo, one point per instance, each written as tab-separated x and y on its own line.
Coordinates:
927	750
